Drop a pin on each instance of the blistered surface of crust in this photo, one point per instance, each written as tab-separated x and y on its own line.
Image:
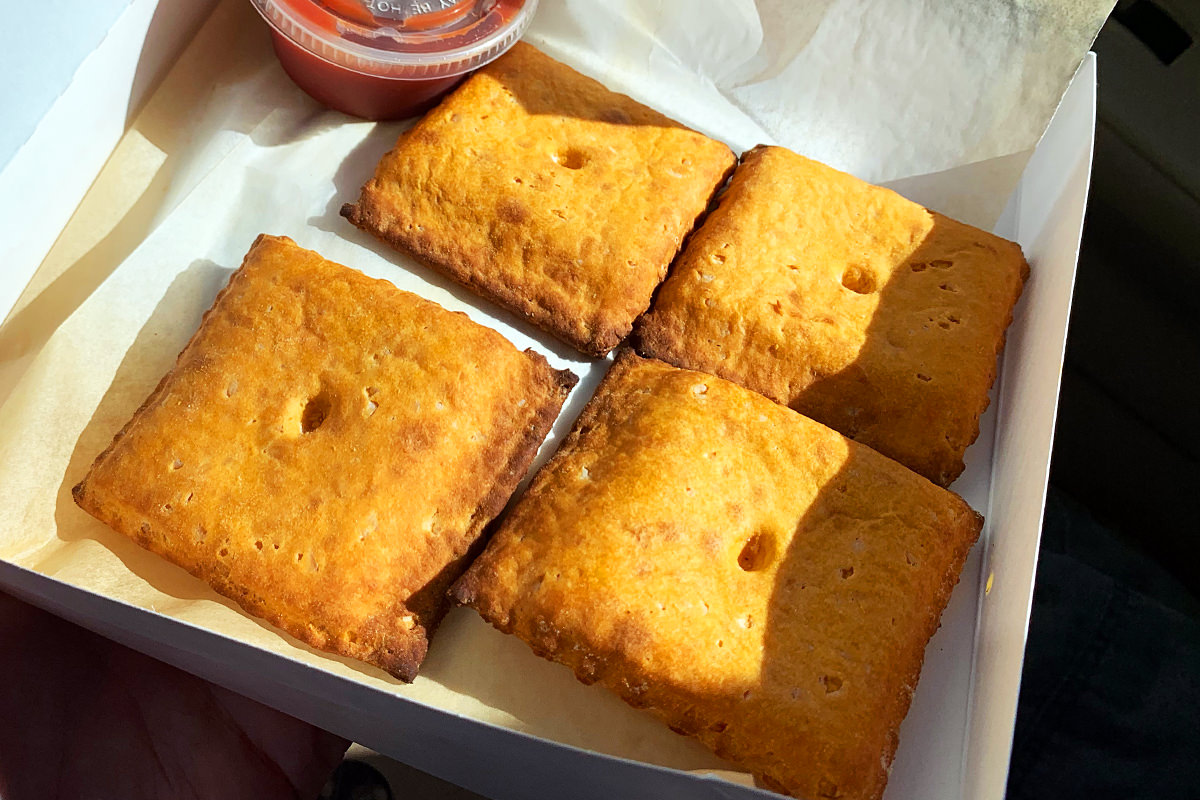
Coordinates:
851	304
750	576
326	452
543	191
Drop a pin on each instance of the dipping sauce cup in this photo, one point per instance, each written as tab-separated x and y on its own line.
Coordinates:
389	59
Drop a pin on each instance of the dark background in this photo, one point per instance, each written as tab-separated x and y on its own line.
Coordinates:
1128	438
1110	693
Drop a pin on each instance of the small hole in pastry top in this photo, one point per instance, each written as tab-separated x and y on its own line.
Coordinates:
847	572
717	258
859	280
757	553
937	263
316	410
923	377
176	464
831	683
570	158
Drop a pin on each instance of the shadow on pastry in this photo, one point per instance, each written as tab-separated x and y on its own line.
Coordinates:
869	313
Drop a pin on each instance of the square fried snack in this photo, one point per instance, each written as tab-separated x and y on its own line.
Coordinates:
546	193
326	452
753	578
847	302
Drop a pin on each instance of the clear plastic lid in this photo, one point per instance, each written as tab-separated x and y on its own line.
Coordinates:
411	39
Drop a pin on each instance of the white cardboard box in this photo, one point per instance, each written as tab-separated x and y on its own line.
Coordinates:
991	607
44	180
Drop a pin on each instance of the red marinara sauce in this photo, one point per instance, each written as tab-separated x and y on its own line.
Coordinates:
389	59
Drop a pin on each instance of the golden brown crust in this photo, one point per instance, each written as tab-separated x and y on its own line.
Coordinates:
751	577
848	303
546	193
325	454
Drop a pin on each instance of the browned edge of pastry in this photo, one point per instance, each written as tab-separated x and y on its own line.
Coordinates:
563	381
